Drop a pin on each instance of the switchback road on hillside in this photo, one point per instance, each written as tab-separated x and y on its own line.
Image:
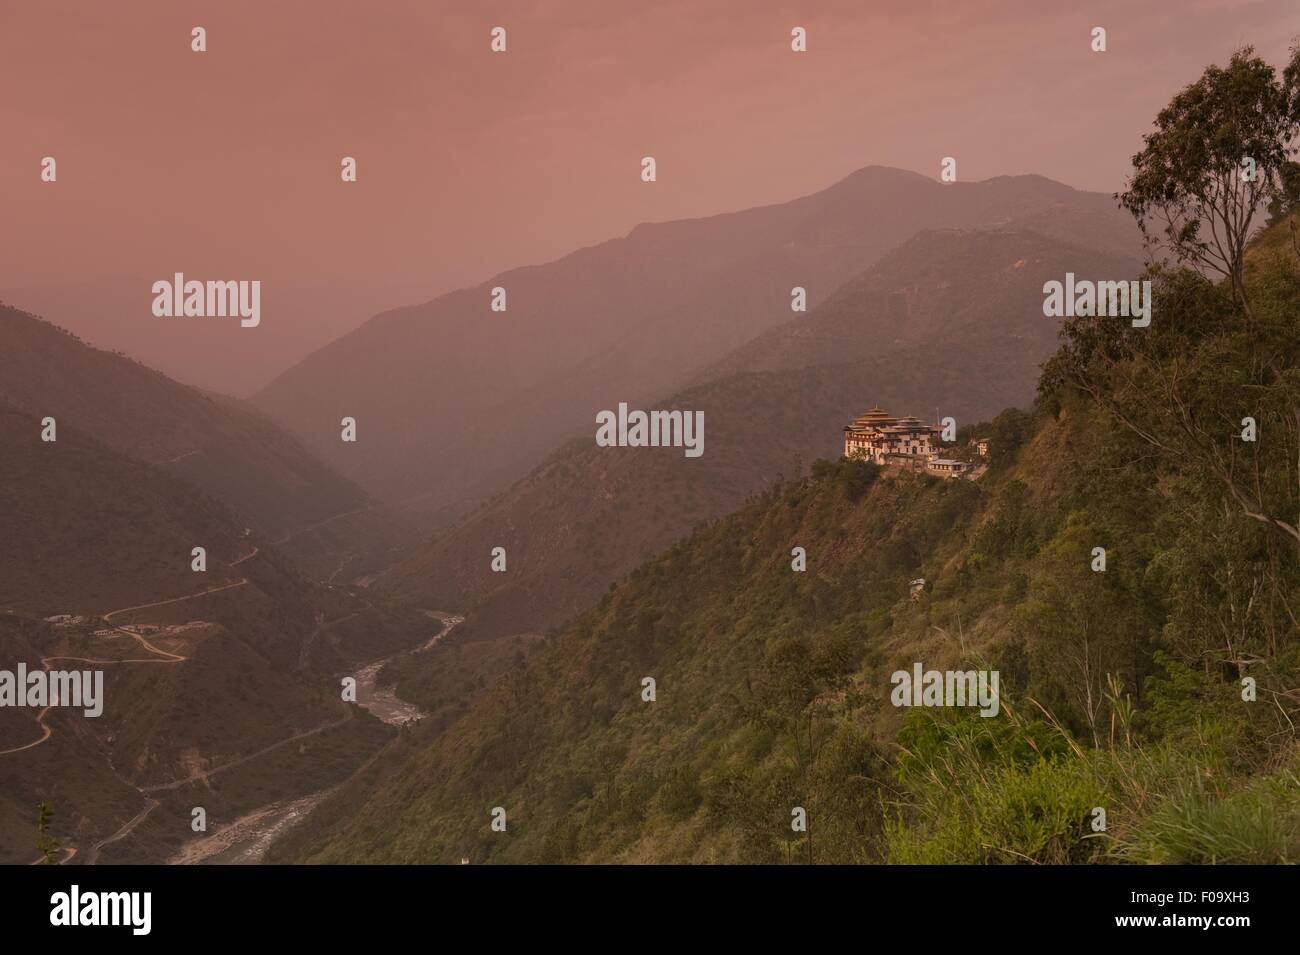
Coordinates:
162	603
45	666
300	808
164	656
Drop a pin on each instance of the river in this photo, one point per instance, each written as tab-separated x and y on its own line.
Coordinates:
246	840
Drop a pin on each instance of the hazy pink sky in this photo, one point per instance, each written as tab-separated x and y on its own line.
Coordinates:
226	164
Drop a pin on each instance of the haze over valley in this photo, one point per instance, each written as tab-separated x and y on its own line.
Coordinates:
662	435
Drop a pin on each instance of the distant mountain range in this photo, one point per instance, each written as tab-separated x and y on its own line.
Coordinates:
717	691
454	401
923	297
949	323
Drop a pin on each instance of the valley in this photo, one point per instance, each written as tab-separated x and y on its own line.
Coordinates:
678	436
948	324
321	579
633	319
633	554
217	696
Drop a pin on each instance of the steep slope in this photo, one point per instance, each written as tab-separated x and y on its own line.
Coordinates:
220	445
938	284
1158	685
202	670
127	538
951	322
757	667
453	400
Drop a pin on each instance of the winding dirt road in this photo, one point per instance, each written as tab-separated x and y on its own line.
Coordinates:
93	855
163	656
198	777
46	732
250	837
69	852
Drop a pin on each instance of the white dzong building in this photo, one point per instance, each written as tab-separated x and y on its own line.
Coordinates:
905	443
877	435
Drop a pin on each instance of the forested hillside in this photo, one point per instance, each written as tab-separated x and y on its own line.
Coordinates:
454	401
1162	689
218	444
952	320
224	694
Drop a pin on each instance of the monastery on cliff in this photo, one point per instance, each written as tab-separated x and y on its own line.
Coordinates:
903	443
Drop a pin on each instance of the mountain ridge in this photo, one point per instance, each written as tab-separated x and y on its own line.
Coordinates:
585	515
455	401
721	689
